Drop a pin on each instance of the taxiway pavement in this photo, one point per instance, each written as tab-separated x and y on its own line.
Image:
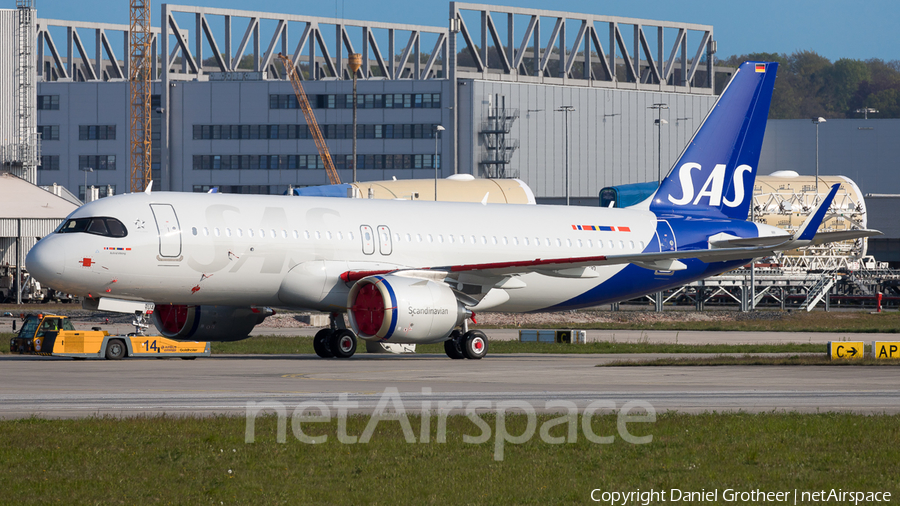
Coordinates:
56	387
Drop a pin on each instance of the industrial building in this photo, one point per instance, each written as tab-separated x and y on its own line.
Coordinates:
516	91
570	103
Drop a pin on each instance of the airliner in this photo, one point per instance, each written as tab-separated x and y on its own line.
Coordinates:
408	272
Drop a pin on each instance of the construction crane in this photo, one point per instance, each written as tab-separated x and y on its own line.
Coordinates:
291	71
139	77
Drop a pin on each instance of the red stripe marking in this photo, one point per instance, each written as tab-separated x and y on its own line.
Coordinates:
526	263
357	275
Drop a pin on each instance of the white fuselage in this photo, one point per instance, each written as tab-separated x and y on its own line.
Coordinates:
238	249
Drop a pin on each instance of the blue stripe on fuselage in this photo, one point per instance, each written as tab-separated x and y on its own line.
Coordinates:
634	281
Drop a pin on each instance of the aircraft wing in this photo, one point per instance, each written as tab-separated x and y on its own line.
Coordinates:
842	235
578	267
574	267
722	248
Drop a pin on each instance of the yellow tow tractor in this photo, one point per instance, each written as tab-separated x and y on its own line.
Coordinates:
53	335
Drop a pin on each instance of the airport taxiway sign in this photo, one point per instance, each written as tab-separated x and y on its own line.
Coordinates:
886	349
846	349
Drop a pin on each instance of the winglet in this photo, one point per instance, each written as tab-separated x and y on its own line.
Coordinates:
811	225
149	187
484	201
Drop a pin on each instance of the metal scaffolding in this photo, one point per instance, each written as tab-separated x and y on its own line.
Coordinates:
139	62
28	148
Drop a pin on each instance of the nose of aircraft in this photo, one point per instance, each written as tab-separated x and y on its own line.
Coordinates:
46	261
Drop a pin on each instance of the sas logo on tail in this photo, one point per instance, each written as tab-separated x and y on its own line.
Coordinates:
712	188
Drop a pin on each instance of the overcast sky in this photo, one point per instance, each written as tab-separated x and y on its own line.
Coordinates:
833	28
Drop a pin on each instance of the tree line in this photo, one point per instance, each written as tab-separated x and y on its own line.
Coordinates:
809	85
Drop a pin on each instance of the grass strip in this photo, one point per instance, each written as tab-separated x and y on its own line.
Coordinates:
279	345
763	321
170	460
293	345
820	359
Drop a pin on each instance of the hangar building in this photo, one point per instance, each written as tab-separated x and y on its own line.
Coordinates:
513	88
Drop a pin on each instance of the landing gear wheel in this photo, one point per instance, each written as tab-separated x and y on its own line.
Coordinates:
453	347
115	349
343	343
474	344
322	344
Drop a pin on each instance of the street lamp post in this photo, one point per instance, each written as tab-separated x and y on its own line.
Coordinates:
86	170
659	123
567	109
354	63
817	121
437	130
867	110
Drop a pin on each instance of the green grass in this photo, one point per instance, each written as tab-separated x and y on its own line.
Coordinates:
820	359
4	342
169	460
278	345
760	321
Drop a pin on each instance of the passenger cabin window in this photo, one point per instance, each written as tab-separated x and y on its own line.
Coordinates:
107	227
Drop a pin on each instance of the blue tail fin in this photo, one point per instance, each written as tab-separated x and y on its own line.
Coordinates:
715	174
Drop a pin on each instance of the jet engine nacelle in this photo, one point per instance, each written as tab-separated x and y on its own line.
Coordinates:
398	309
208	323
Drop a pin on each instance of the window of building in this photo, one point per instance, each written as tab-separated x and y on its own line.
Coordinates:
96	132
97	162
102	191
49	132
295	162
49	162
329	131
48	102
363	101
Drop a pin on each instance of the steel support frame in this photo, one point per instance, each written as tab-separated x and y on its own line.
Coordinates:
599	65
322	60
93	66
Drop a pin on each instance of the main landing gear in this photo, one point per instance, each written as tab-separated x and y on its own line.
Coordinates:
336	341
472	345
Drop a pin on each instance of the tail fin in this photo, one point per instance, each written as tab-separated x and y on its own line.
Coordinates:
714	176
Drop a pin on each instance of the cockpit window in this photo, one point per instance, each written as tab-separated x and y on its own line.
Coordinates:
116	229
98	226
107	227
